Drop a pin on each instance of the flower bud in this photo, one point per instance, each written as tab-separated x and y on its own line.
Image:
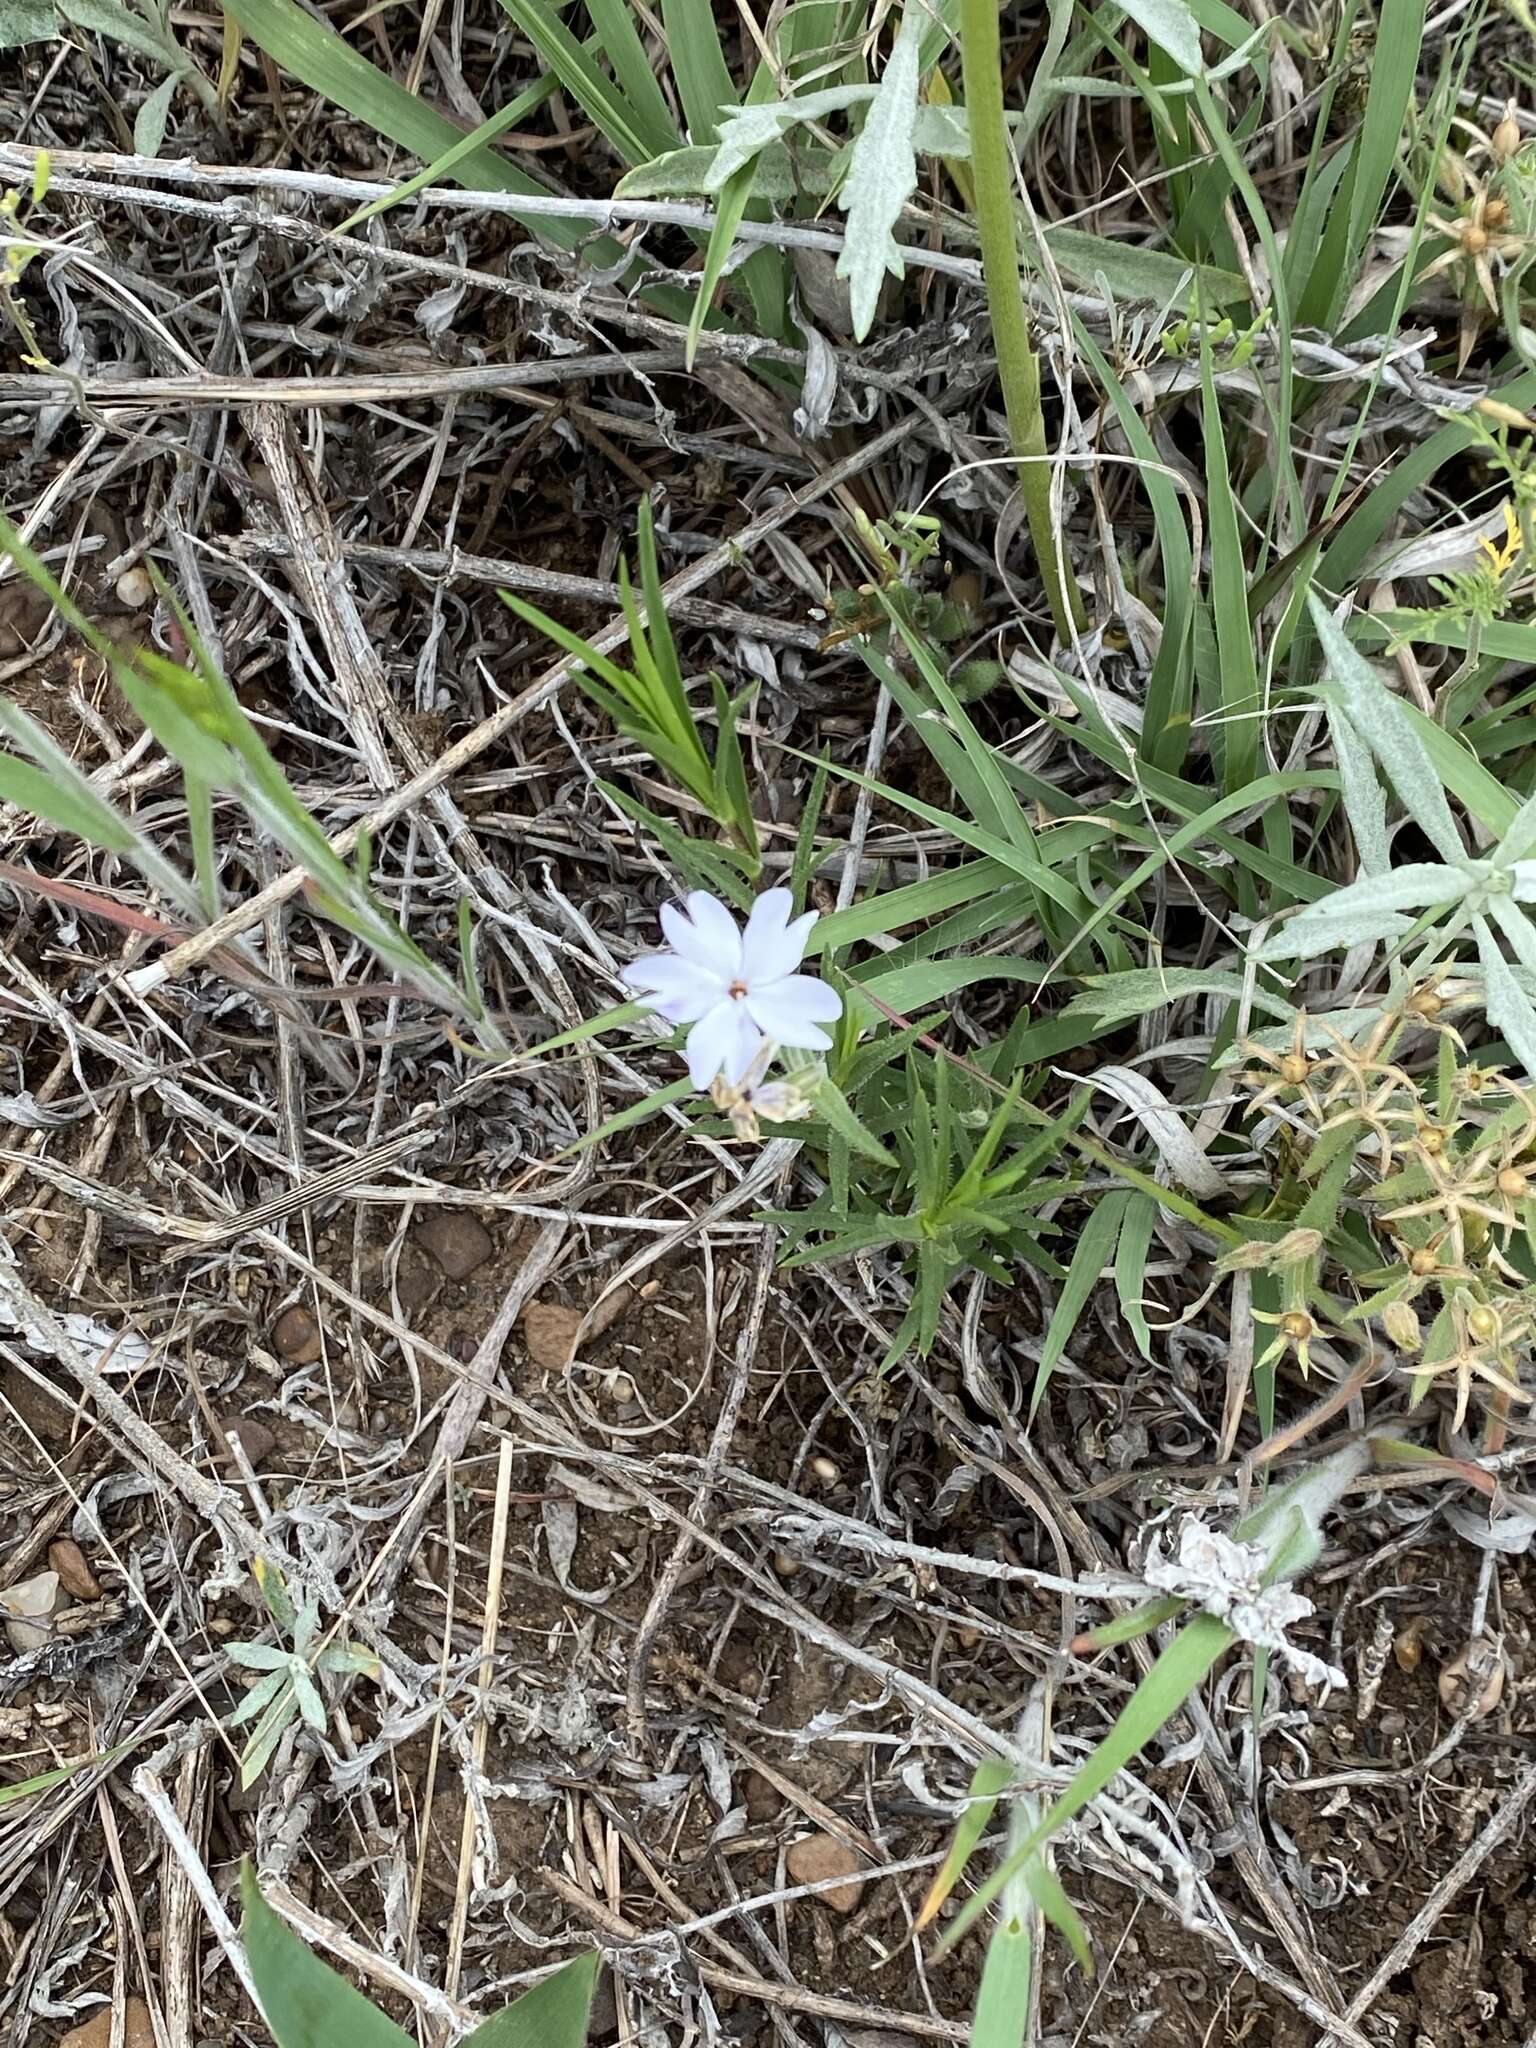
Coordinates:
1506	137
1402	1326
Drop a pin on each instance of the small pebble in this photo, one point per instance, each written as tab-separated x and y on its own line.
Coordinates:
824	1472
296	1336
762	1797
549	1331
134	588
75	1574
459	1242
138	2029
785	1565
29	1608
814	1858
254	1438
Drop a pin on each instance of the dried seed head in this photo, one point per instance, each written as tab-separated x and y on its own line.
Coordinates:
1451	175
1401	1325
1294	1069
1483	1323
1425	1002
1506	137
1474	239
1432	1139
1298	1326
1422	1263
1297	1245
1496	215
1408	1648
1472	1684
1513	1183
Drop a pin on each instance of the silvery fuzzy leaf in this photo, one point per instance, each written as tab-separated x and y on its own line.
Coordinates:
264	1690
1367	910
1365	802
150	122
1225	1578
1384	726
1165	1126
745	131
257	1656
1509	1009
1173	27
818	388
882	176
942	131
26	21
1288	1525
307	1693
1519	842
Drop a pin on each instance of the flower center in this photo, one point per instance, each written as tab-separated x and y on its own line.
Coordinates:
737	990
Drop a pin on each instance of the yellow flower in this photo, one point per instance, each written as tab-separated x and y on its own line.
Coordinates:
1503	559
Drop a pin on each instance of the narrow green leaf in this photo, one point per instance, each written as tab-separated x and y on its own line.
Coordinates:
1131	1268
554	2014
149	123
1392	74
1002	1996
305	45
1236	738
987	1783
704	82
730	205
466	148
838	1114
1182	1666
306	2004
1095	1248
28	1788
1045	1889
634	131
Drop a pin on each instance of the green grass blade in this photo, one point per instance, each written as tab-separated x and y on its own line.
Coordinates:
1131	1268
328	64
633	130
462	152
614	21
730	207
1393	71
1002	1996
704	82
1183	1665
29	1788
1095	1249
307	2005
553	2014
1235	740
987	1782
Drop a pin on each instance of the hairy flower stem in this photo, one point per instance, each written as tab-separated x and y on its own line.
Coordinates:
1018	367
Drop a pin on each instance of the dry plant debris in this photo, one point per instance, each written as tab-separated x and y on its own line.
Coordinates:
662	1609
